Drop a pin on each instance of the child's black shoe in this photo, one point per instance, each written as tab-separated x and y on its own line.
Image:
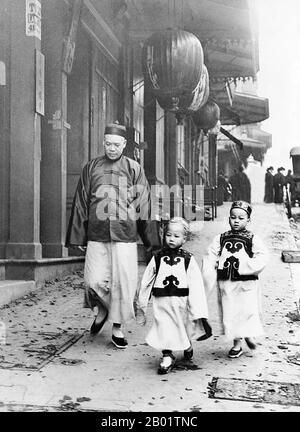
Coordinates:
120	343
188	354
166	366
235	353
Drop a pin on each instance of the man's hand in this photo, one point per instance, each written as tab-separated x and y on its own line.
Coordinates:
82	248
140	316
149	254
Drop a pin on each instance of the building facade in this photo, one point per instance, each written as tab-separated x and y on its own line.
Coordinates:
70	66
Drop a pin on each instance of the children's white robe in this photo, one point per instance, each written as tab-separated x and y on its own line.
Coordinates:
177	320
239	301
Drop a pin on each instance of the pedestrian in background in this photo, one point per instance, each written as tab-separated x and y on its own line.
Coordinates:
279	183
221	188
269	186
241	186
244	193
290	184
234	182
110	208
228	190
179	302
232	264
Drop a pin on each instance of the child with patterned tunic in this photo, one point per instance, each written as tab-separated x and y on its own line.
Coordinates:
179	302
235	258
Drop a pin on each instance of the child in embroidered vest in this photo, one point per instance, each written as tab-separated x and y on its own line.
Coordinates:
179	302
233	262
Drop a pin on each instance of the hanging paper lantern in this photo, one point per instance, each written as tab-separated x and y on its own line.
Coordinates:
216	129
175	104
172	62
201	92
207	116
190	101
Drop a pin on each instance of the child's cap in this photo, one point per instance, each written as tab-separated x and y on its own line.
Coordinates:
242	205
182	222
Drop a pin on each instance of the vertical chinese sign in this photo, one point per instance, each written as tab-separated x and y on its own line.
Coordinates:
33	28
33	18
39	82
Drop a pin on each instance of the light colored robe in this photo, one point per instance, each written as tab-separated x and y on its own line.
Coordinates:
177	319
239	300
111	278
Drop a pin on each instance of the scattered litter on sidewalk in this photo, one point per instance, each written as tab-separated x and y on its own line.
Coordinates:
67	362
295	359
294	316
38	328
184	365
295	227
65	407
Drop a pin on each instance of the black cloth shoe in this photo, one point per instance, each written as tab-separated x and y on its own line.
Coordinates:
119	342
96	327
188	354
235	353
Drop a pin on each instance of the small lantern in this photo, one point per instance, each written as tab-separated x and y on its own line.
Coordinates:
172	63
207	116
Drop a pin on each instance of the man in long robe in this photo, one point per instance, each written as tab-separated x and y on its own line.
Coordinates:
279	182
269	192
221	188
111	207
244	186
241	186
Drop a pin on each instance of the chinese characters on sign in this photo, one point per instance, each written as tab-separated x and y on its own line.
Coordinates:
39	82
2	74
33	18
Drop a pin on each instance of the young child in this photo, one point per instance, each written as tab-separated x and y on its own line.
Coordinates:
179	303
236	257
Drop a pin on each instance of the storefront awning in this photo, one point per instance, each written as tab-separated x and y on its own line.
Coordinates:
253	143
244	145
241	108
250	108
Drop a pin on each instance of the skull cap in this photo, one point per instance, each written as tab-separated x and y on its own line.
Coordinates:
115	129
242	205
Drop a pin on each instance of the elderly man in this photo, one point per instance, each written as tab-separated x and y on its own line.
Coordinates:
110	208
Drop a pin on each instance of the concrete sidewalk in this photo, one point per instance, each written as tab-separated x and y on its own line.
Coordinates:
51	363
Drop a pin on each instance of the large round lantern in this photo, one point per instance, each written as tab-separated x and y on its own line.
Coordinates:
175	104
172	62
190	101
201	92
207	117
